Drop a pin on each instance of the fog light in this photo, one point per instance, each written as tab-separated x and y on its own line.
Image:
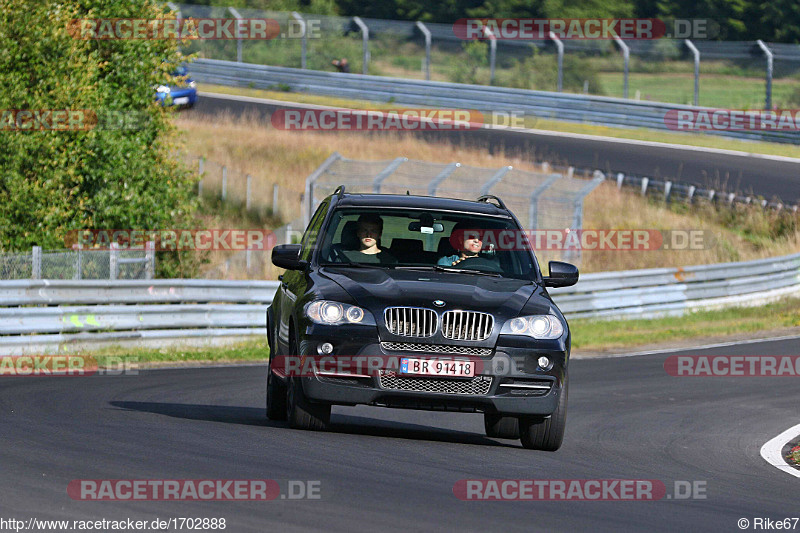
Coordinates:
325	348
544	363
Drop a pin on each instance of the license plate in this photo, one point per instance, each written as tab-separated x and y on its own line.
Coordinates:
181	101
437	367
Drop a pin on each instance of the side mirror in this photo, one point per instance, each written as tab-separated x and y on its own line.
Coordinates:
561	275
286	256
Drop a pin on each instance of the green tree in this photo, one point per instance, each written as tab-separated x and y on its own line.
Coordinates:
56	181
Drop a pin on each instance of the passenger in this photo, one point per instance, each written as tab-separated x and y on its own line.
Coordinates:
467	242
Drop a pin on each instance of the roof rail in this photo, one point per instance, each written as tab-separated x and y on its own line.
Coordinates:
339	192
487	197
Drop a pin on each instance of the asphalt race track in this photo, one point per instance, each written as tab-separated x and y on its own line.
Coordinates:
766	177
393	470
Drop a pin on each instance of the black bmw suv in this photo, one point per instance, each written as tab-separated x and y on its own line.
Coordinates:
423	303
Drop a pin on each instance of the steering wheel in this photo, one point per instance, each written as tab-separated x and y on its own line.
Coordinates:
479	263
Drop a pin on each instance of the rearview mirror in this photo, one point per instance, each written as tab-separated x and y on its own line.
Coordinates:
417	226
561	275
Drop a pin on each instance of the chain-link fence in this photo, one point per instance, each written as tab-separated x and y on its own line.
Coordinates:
78	264
734	73
540	200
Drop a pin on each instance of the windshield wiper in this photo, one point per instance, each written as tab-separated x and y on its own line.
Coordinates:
441	268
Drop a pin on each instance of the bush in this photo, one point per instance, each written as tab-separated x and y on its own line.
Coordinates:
56	181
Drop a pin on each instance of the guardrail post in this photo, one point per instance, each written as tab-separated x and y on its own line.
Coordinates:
696	54
365	40
247	192
150	258
435	182
308	195
626	56
768	53
224	183
620	179
492	53
692	188
275	199
426	32
113	261
385	173
645	181
533	208
304	41
238	32
711	195
36	262
560	48
667	189
495	179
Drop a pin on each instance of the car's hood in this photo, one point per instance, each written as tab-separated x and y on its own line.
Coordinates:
376	289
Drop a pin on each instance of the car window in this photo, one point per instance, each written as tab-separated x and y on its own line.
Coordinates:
312	232
416	237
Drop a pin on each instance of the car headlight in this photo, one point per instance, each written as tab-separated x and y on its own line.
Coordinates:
162	89
536	326
334	313
192	84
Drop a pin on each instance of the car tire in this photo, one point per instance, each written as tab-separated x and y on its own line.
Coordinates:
276	396
501	427
300	411
547	434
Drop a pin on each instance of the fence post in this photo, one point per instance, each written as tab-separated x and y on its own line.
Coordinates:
385	173
365	37
692	188
768	53
560	48
645	181
238	32
667	189
308	195
492	53
426	32
200	171
696	54
78	261
224	183
247	193
36	262
626	56
304	42
620	180
275	209
495	179
113	261
435	182
150	257
533	207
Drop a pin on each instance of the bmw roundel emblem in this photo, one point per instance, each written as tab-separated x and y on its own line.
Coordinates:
438	303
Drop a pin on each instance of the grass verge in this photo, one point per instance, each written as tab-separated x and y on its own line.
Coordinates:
794	456
601	335
641	134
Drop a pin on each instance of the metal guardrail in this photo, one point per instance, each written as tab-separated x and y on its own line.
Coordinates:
215	312
545	105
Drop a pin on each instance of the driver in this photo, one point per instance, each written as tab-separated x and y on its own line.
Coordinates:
468	244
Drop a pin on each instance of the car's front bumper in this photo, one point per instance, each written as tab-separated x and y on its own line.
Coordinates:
517	386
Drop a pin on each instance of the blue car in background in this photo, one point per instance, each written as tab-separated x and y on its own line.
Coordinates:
184	95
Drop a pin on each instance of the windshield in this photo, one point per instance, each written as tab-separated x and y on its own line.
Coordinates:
414	238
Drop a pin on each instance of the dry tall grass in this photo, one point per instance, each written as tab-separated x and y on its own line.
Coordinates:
271	156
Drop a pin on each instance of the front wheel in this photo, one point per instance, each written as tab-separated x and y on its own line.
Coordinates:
537	433
501	427
301	413
276	396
